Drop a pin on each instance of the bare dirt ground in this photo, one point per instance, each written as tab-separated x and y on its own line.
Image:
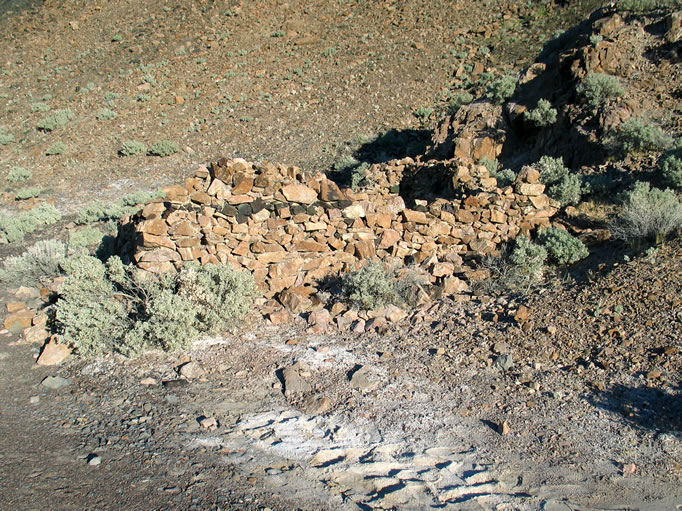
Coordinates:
462	405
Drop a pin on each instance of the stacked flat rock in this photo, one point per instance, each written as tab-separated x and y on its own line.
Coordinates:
290	229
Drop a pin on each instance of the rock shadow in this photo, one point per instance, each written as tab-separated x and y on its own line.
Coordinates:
644	407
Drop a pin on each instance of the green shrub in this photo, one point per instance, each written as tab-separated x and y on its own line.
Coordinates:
132	147
568	191
636	136
100	211
111	307
563	186
143	98
423	112
164	148
358	176
562	248
82	240
106	115
39	106
89	315
58	119
648	214
502	89
504	177
370	287
552	170
56	148
14	228
542	115
528	258
5	138
671	167
28	193
19	175
461	98
599	88
40	262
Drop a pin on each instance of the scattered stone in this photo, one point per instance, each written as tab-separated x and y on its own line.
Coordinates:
94	460
53	353
294	384
27	293
654	374
280	317
503	428
316	405
504	362
18	321
15	306
319	321
360	379
208	423
34	400
521	315
148	381
55	382
191	370
36	334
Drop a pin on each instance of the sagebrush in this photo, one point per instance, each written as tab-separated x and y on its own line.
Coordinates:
39	263
561	246
14	228
649	214
109	307
600	88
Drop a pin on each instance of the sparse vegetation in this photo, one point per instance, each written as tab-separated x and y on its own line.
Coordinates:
504	177
638	137
423	113
164	148
529	259
461	98
113	308
106	115
671	167
561	247
132	147
100	211
56	149
81	240
19	175
502	89
40	262
58	119
14	228
40	106
599	89
649	214
370	287
27	193
562	185
5	138
542	115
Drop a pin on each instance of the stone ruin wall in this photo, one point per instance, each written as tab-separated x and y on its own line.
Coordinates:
291	230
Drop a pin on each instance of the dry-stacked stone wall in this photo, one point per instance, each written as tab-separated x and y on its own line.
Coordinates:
290	229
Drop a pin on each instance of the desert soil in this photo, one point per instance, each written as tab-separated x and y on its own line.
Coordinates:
572	402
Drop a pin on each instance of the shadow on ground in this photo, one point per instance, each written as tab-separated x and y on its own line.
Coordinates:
389	145
644	407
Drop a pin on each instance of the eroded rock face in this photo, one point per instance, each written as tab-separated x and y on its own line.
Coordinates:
623	47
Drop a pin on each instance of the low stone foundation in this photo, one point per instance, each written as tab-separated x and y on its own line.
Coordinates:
290	229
